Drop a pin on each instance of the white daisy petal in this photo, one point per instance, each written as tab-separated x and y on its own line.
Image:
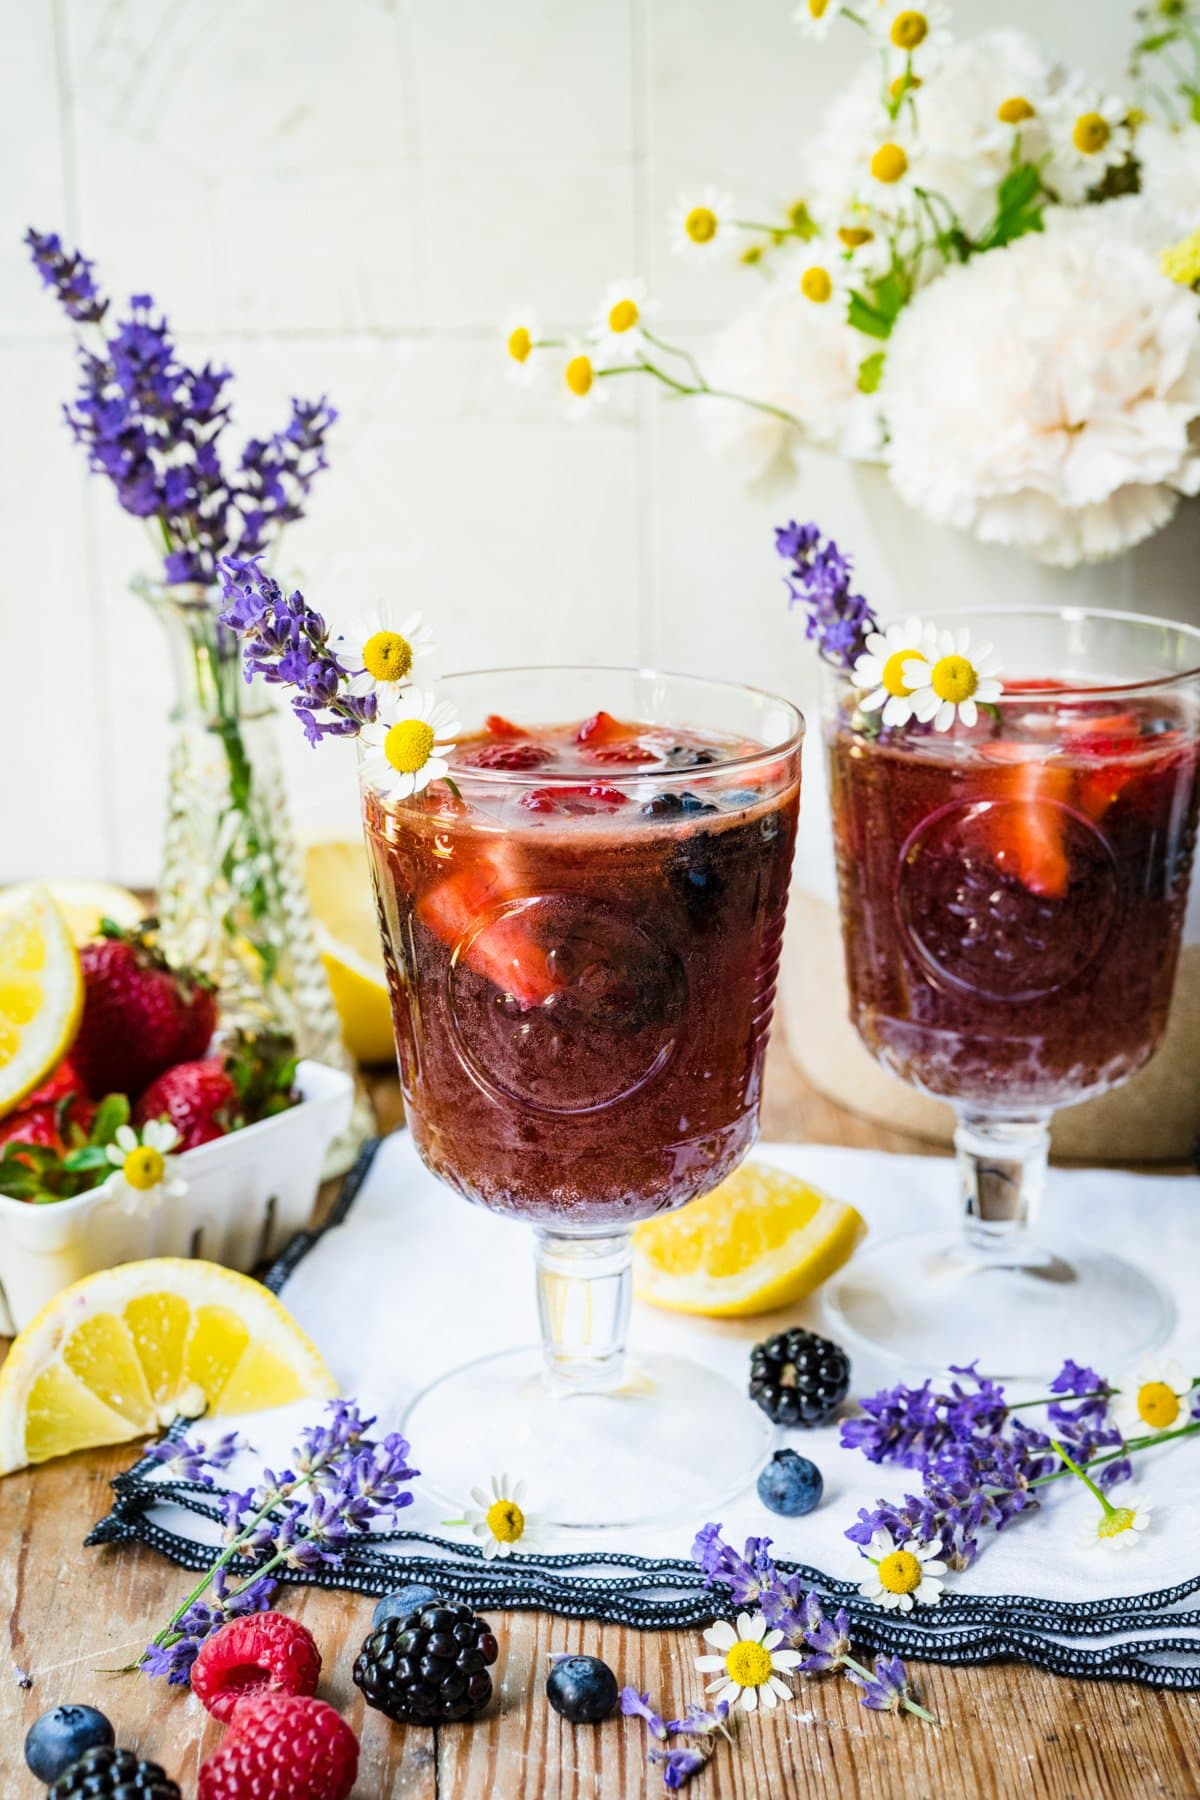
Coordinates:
749	1698
721	1635
746	1623
705	1663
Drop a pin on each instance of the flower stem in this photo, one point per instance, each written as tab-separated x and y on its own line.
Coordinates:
850	1662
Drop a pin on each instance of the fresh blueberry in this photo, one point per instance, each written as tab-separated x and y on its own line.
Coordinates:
692	803
60	1737
685	756
404	1601
790	1485
582	1688
663	806
741	797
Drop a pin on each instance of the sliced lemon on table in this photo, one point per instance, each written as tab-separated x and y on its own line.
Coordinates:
41	994
760	1240
120	1353
339	889
83	904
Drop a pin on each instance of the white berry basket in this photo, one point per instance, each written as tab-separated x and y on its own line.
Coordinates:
247	1194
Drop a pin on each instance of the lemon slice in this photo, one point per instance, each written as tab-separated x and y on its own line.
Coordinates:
339	889
120	1353
83	904
760	1240
41	994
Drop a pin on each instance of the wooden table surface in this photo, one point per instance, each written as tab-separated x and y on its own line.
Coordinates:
1008	1730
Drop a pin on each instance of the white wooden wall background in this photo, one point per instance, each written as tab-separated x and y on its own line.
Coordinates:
347	196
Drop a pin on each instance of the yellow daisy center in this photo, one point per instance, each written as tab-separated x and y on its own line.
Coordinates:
900	1572
753	253
816	285
520	344
1115	1522
623	316
748	1664
909	29
505	1521
818	8
1092	131
889	163
409	745
1181	261
387	656
1015	110
903	84
701	224
854	236
143	1168
953	678
1157	1404
579	375
893	673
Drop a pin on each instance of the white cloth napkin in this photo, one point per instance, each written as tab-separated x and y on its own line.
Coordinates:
372	1292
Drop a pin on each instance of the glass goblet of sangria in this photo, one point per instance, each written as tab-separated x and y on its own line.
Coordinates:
1012	896
582	930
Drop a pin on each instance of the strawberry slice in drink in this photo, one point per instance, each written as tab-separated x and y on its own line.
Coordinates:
604	739
596	797
1025	828
466	911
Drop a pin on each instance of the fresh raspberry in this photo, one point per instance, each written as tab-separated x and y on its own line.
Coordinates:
522	756
262	1653
281	1747
577	802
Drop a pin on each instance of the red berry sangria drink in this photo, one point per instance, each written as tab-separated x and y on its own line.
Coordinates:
582	925
1013	887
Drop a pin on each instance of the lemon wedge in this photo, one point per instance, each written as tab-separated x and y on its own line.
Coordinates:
41	994
121	1352
761	1240
82	903
339	889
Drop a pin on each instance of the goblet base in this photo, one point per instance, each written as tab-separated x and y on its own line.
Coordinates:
666	1446
926	1300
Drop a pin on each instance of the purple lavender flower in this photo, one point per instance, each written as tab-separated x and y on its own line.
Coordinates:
888	1690
819	578
746	1576
173	1658
69	274
635	1705
829	1639
679	1765
190	1459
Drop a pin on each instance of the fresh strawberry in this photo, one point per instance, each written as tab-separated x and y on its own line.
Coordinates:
55	1112
507	755
63	1080
575	802
602	728
251	1079
503	952
1026	829
139	1015
36	1125
499	726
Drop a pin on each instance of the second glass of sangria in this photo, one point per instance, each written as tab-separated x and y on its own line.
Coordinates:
582	928
1012	895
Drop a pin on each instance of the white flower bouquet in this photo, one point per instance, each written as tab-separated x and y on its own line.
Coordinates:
989	288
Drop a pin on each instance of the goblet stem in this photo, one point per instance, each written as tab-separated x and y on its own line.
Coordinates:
584	1291
1001	1175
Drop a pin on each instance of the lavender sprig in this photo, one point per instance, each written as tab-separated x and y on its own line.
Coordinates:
819	577
299	1518
286	641
800	1615
191	1459
154	426
699	1725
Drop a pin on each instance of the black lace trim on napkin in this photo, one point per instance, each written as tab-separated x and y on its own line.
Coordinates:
655	1594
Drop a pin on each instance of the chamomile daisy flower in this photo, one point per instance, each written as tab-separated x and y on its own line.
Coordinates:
749	1663
523	345
814	17
881	669
579	375
903	1576
700	224
412	734
819	271
889	176
1117	1528
949	682
1091	136
499	1519
384	647
147	1171
619	332
1153	1398
920	30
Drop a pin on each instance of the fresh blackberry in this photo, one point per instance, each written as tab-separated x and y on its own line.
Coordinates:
107	1774
430	1668
799	1378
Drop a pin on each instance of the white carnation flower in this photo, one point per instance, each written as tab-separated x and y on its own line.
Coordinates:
1047	395
786	352
1170	163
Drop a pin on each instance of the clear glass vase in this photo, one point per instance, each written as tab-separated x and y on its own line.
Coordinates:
231	896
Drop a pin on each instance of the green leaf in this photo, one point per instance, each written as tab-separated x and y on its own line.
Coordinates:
92	1156
866	318
870	372
111	1114
1019	187
890	296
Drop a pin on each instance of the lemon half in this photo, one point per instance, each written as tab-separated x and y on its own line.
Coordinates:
121	1352
83	904
761	1240
339	888
41	993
